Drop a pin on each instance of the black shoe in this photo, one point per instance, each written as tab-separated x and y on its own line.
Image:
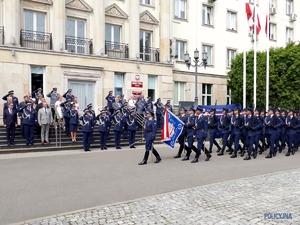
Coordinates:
86	150
231	151
288	153
118	147
210	151
177	156
219	149
102	148
269	156
158	159
220	153
248	157
243	153
31	143
280	149
228	150
260	151
234	155
144	162
105	148
27	144
255	154
131	147
185	158
208	157
274	153
195	160
293	151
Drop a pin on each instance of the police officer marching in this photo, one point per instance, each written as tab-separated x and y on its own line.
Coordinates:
292	124
213	123
236	126
184	118
87	129
132	127
225	127
271	132
190	124
150	134
103	122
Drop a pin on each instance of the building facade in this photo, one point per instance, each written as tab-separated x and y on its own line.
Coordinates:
130	46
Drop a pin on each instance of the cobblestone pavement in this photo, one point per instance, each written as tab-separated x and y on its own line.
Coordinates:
243	201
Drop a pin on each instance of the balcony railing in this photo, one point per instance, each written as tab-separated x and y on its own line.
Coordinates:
36	39
116	49
149	54
79	45
1	35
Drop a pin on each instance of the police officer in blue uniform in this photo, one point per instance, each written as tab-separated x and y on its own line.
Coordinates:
169	106
132	127
271	132
110	100
183	117
159	112
236	126
68	94
109	116
225	127
87	129
259	131
150	135
252	124
125	113
118	128
29	120
213	123
66	108
149	101
93	114
263	135
292	125
74	118
279	126
20	111
190	124
201	128
103	122
36	93
14	98
53	95
283	131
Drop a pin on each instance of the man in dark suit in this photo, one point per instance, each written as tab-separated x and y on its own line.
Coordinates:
10	123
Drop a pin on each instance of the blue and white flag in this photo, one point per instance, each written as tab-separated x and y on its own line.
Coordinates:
172	128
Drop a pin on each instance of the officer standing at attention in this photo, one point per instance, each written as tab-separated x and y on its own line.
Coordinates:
68	94
66	108
118	128
183	117
36	93
150	134
87	124
20	111
132	127
73	122
149	101
201	128
93	114
110	99
103	128
225	127
29	120
109	117
15	100
190	124
158	112
213	123
169	106
53	95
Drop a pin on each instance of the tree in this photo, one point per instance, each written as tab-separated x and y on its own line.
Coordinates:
284	77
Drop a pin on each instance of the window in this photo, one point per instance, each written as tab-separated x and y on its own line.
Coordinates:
178	92
272	33
119	81
34	21
37	78
180	8
146	2
206	15
76	35
151	87
273	3
112	33
145	45
230	56
289	35
208	49
231	20
206	94
228	96
289	7
180	49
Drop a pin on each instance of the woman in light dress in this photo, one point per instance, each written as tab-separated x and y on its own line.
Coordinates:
58	110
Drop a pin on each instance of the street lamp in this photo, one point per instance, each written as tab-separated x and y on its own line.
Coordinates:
197	64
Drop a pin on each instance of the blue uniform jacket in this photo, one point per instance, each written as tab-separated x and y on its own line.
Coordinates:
125	112
118	123
74	117
184	119
103	123
236	124
224	124
132	122
252	124
213	123
190	125
88	123
278	124
159	109
150	129
201	126
110	99
66	106
270	125
29	116
292	124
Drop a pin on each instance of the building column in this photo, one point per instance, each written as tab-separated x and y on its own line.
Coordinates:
12	22
134	21
99	27
164	31
58	25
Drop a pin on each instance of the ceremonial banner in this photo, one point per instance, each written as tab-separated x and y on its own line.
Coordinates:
172	128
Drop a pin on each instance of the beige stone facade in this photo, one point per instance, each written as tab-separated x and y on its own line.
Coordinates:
138	45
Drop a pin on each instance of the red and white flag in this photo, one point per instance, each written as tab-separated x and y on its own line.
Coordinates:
165	134
267	24
249	16
258	27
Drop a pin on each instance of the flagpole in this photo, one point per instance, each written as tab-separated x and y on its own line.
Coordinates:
244	65
268	58
254	75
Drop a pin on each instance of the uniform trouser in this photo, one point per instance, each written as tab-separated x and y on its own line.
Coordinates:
200	141
53	111
283	139
10	133
149	143
231	141
290	141
224	140
278	137
125	130
67	124
251	140
263	141
244	140
190	145
271	141
107	133
158	118
86	140
29	133
212	140
236	140
103	139
117	135
181	139
256	141
22	129
131	136
45	132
